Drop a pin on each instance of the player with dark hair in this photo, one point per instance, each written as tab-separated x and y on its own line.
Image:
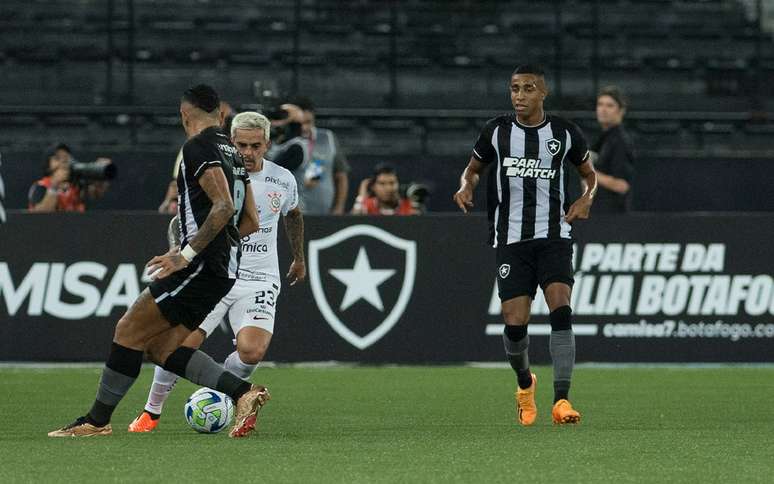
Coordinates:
216	208
529	225
251	304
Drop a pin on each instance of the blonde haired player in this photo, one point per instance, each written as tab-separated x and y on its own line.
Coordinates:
251	303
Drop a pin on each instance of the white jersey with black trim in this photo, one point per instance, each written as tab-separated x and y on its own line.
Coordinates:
275	192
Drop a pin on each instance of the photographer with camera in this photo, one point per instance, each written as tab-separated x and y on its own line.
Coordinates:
380	194
322	172
68	182
289	149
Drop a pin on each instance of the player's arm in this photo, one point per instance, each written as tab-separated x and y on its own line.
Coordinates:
294	228
213	182
468	183
215	185
249	221
580	209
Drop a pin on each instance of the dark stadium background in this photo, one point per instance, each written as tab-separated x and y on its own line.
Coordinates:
676	390
410	82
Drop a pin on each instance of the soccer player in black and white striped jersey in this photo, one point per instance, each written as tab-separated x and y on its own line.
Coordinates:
188	283
529	225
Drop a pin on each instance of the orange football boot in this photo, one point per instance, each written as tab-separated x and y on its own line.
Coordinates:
563	413
525	403
143	423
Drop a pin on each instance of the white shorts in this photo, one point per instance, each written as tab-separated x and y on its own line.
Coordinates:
248	303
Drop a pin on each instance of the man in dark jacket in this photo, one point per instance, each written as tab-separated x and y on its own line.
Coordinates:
613	154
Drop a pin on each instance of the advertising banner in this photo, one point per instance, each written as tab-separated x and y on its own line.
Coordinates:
648	288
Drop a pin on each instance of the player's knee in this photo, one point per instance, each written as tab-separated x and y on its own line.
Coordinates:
561	318
515	317
557	295
253	355
125	334
156	354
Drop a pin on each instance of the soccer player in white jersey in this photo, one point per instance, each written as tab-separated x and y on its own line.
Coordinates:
251	303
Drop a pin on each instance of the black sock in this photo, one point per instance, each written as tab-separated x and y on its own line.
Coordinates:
516	343
100	413
198	367
561	390
524	378
233	386
121	370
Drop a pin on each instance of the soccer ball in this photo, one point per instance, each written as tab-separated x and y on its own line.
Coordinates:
208	411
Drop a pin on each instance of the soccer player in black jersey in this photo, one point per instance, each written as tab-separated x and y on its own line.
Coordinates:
530	228
215	209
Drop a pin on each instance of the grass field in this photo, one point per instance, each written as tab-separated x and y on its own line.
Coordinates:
409	424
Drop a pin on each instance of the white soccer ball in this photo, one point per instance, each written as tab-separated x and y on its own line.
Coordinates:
208	411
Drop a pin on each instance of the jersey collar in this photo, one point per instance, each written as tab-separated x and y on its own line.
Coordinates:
530	126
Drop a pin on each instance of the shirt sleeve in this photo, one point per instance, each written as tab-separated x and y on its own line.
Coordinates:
197	158
484	150
292	201
579	149
176	168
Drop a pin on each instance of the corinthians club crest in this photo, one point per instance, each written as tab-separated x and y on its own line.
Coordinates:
355	276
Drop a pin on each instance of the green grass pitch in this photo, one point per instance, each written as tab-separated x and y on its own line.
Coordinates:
409	424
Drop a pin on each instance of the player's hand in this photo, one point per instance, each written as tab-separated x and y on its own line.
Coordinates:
162	266
580	209
464	198
297	272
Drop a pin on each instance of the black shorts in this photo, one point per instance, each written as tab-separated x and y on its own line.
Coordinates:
187	296
524	265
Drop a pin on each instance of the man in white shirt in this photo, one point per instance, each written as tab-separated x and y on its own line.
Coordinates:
251	303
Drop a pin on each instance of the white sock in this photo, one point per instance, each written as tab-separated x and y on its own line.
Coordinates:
163	382
235	365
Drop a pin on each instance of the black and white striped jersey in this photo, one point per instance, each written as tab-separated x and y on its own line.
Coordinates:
211	149
526	188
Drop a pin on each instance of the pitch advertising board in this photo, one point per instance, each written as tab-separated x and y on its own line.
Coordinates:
649	288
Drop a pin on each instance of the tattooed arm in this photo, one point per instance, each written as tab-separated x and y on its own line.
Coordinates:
294	228
215	185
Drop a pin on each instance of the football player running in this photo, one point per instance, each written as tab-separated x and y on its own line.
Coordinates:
251	303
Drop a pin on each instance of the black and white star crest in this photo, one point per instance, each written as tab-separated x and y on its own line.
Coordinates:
554	146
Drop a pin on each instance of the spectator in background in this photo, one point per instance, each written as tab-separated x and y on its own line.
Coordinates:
288	147
54	192
380	194
58	190
612	154
324	183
